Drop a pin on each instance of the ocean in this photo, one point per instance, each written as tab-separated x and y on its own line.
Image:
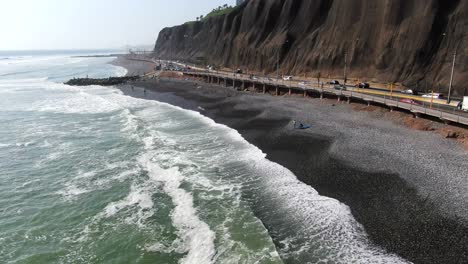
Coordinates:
90	175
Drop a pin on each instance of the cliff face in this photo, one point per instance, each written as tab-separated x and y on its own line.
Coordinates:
409	41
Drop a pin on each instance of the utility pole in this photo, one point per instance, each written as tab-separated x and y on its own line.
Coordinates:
345	66
277	66
451	76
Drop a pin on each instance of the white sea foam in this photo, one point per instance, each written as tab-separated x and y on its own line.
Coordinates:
130	124
72	191
196	235
138	196
24	144
81	103
120	71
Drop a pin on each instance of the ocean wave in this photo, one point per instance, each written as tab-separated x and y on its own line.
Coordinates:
24	144
76	103
119	71
2	145
197	237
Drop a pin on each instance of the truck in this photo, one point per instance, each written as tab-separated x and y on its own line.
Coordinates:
463	105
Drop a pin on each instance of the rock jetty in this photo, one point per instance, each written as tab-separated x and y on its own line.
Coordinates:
103	81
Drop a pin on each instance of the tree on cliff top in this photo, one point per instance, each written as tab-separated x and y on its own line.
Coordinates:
220	10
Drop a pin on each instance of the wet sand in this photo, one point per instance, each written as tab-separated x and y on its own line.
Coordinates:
408	188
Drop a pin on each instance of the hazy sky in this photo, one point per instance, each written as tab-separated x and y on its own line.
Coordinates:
87	24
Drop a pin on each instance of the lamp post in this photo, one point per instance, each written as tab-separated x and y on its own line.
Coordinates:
345	66
451	76
356	41
452	72
277	66
278	60
188	46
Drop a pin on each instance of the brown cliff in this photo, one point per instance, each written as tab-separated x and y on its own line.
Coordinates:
408	41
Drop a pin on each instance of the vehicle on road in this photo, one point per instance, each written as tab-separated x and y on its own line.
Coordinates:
239	71
409	91
463	105
304	83
409	101
335	82
287	78
362	85
340	87
433	95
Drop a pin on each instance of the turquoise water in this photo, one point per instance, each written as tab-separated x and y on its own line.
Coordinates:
89	175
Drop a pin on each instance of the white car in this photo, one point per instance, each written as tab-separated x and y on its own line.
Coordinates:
287	78
433	95
409	91
304	83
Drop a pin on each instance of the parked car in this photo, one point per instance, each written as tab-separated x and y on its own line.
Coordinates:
335	82
410	101
287	78
362	85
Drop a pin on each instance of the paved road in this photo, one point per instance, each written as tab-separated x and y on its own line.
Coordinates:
437	104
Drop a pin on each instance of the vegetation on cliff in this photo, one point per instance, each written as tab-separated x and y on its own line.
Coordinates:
219	11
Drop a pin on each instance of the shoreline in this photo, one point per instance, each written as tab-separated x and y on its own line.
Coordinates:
400	210
133	67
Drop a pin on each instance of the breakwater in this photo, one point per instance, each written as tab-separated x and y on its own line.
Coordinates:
101	81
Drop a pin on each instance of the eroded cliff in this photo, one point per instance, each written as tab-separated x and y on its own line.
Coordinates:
409	41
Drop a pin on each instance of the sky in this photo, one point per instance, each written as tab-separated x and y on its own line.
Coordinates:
92	24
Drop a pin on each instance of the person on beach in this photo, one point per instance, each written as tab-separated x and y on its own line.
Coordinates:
294	123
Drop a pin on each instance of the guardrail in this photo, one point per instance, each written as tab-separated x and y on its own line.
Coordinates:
391	101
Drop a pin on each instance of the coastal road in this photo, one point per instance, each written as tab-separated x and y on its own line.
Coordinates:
437	104
390	101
